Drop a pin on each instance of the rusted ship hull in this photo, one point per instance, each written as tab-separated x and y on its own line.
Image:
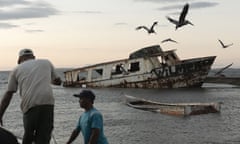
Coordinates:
176	109
189	74
148	68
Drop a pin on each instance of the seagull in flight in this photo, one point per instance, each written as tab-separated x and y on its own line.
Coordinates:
219	73
169	40
223	45
149	30
182	21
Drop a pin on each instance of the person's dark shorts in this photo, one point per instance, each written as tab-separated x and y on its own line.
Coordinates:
38	124
7	137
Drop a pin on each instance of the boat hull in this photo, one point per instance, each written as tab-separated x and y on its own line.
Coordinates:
176	109
187	74
149	67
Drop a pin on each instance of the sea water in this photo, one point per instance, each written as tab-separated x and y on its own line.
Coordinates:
126	125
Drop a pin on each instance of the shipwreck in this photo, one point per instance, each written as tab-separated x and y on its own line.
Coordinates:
149	67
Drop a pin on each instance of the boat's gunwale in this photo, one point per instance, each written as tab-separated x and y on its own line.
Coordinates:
184	109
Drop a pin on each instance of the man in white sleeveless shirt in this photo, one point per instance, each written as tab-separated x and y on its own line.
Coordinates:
33	77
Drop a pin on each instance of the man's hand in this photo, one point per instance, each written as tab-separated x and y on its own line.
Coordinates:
1	122
4	103
57	81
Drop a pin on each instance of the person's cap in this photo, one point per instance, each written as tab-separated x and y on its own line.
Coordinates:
86	93
24	52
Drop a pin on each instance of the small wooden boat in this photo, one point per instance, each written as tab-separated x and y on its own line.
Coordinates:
178	109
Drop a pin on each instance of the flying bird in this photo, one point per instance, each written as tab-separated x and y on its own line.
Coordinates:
149	30
223	45
169	40
219	73
181	21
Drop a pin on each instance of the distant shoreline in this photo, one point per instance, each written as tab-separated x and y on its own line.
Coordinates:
232	75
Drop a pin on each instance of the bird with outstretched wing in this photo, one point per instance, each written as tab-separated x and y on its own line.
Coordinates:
223	45
169	40
149	30
219	73
182	18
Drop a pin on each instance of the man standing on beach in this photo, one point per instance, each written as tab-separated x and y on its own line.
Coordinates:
90	122
33	78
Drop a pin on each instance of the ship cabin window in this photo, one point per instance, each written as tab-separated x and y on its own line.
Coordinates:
170	56
97	73
173	56
171	59
82	75
166	57
117	69
134	66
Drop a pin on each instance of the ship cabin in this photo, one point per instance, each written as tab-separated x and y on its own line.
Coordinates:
111	73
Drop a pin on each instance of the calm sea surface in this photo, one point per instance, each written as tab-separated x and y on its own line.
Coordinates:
125	125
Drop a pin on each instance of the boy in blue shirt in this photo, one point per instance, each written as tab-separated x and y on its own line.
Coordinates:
90	122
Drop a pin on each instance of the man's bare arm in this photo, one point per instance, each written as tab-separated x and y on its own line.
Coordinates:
73	136
94	136
4	103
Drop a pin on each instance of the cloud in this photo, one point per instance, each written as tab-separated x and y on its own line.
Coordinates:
120	23
161	1
203	4
34	31
88	12
172	7
194	5
7	26
4	3
21	9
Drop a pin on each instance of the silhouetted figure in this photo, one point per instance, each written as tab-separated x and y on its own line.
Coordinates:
169	40
182	21
223	45
7	137
151	30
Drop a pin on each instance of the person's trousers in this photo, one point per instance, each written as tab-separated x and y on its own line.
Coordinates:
38	124
7	137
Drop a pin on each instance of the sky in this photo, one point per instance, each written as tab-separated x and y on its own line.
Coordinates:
75	33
